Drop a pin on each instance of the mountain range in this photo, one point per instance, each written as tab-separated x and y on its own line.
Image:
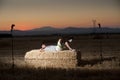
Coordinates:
48	30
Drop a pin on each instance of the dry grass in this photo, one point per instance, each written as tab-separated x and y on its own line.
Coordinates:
26	73
90	67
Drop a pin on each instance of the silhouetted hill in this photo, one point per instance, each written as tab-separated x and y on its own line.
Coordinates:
69	30
45	28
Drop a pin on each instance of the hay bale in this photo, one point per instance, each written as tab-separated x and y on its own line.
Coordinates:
60	59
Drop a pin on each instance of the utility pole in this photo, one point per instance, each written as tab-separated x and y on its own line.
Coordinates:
12	26
94	25
100	37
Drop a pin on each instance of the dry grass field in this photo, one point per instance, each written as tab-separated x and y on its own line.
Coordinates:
90	64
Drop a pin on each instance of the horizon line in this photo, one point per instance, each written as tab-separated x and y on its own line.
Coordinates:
61	28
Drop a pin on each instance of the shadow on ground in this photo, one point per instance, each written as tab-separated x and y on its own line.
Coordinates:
92	62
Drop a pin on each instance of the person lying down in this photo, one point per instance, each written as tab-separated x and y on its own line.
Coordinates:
59	47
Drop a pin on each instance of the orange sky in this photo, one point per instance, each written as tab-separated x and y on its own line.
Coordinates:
58	13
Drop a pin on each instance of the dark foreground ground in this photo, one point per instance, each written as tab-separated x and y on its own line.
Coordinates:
58	74
90	66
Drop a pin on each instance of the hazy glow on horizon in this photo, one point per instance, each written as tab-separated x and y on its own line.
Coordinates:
28	14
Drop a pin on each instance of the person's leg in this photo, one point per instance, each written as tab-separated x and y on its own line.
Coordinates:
59	46
50	48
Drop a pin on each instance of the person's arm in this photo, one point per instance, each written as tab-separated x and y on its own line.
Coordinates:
68	46
43	46
41	50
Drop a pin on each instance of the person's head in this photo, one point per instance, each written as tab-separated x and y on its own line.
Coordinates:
43	45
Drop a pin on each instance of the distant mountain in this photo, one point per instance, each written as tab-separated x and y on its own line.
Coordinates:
45	28
48	30
73	30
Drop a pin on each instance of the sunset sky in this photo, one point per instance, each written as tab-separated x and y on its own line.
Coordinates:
29	14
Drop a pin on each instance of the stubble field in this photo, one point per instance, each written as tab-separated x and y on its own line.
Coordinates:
91	65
